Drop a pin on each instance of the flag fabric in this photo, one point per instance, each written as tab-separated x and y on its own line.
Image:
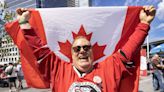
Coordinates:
143	65
108	29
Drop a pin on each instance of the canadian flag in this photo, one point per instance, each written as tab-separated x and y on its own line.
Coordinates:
108	29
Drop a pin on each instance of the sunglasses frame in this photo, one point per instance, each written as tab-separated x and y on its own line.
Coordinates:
78	48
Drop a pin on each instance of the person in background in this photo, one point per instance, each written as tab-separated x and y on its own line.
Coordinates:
3	79
4	67
11	76
158	79
20	75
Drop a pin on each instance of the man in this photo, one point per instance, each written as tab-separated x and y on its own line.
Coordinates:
82	75
11	75
20	75
158	78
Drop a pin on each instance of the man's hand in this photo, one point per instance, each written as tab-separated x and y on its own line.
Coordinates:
147	14
23	16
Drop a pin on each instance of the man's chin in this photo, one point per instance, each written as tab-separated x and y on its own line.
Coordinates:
85	65
84	68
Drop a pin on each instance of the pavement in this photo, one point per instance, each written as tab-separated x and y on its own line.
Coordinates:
145	85
25	89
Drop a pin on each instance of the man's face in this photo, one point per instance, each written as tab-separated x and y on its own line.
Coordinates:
156	58
82	55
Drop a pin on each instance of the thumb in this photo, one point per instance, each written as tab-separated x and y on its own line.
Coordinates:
26	13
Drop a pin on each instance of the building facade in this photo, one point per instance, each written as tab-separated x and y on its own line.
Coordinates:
8	51
63	3
14	4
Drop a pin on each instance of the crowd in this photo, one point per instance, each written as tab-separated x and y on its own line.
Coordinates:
11	73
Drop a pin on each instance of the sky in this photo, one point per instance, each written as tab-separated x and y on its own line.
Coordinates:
157	26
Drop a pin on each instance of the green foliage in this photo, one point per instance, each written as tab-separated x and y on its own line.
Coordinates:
6	15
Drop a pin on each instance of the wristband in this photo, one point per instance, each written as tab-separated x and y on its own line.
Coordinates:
23	22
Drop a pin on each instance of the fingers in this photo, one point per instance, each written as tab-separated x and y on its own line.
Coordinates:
23	15
20	11
152	11
149	9
147	14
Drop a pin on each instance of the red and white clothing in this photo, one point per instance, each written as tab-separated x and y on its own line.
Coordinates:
11	69
106	75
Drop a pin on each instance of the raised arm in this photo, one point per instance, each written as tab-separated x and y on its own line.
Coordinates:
146	16
35	43
35	56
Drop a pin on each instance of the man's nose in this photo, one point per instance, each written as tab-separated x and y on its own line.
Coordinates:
82	50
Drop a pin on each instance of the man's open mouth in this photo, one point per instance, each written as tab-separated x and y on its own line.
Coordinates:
83	57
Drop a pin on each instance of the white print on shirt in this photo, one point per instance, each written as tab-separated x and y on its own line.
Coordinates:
84	87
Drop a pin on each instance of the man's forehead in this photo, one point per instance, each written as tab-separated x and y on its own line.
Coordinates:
81	41
155	57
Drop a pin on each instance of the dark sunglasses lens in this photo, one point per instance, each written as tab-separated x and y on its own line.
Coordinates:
86	48
76	49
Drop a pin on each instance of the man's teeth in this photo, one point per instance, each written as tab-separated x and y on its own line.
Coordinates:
83	57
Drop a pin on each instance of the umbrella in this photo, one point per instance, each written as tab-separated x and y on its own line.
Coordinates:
157	49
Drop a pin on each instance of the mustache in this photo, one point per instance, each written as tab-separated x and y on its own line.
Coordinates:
84	55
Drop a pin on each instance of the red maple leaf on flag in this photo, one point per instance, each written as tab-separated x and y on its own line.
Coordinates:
65	47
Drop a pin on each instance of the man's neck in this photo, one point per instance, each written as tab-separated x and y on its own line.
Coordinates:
80	73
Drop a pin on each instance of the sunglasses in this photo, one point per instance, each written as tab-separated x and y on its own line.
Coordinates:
78	48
